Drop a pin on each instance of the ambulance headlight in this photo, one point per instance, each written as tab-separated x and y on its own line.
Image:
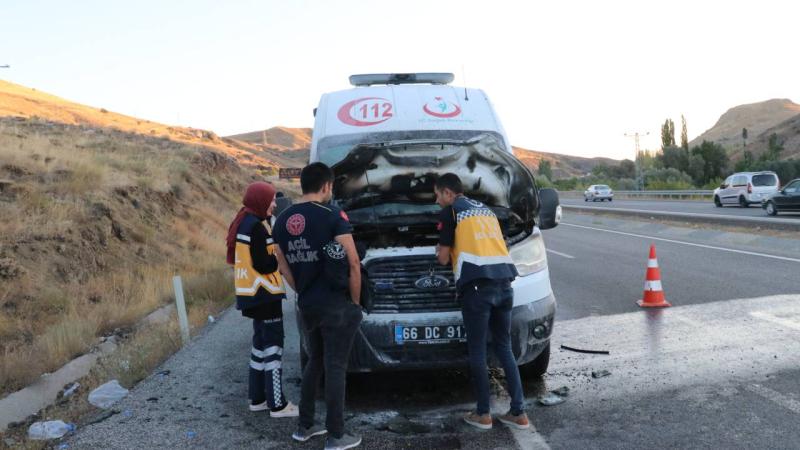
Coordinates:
529	255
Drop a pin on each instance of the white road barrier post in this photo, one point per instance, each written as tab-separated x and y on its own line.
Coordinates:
183	320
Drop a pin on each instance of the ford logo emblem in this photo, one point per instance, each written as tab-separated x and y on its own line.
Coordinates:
432	282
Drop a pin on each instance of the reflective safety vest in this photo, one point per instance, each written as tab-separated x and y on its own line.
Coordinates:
252	287
479	250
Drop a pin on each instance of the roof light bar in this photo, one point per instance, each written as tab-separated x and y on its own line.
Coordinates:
401	78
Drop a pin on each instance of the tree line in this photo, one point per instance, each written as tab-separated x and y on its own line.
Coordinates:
702	166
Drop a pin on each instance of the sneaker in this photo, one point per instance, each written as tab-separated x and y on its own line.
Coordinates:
344	442
303	434
290	410
484	422
519	422
259	406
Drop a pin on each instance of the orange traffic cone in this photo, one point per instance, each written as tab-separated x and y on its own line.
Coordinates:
653	296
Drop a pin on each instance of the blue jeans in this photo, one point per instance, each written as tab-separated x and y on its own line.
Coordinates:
330	331
486	307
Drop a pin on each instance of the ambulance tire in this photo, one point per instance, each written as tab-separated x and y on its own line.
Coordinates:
537	367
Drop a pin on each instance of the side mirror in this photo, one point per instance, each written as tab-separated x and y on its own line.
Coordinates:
549	209
723	186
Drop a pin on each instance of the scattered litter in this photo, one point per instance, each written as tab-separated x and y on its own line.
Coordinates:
191	434
101	417
592	352
563	391
401	425
164	373
106	395
555	397
127	413
69	390
211	319
600	373
152	399
10	442
63	447
551	399
53	429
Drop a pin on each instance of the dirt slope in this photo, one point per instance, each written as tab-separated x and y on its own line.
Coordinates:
756	117
21	101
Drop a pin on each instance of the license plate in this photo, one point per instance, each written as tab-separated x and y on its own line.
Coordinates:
433	334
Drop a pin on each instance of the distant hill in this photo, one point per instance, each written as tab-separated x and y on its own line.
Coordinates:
564	166
295	143
24	102
279	143
788	133
761	119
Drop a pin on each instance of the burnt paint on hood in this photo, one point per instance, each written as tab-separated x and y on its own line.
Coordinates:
405	171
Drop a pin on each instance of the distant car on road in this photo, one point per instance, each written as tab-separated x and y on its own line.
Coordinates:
787	199
597	192
746	188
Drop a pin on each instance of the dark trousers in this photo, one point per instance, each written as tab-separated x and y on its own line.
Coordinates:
329	331
265	362
486	308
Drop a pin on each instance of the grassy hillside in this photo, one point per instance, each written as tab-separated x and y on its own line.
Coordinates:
758	118
99	211
24	102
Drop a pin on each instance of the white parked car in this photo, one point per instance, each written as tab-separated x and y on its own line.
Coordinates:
746	188
597	192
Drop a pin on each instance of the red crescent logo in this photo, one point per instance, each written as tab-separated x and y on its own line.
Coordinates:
453	113
296	224
379	111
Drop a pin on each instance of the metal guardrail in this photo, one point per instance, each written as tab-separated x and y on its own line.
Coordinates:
698	194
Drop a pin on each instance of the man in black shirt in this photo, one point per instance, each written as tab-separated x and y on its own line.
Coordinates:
330	313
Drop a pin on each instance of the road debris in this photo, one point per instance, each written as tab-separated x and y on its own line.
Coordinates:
53	429
106	395
551	399
600	373
69	390
579	350
563	391
555	397
402	425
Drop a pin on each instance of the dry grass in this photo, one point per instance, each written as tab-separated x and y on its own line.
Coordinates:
140	352
102	221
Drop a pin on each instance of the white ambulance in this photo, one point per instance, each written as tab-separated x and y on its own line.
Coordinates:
387	139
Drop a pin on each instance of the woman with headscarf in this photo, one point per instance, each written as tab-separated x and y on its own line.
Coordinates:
259	296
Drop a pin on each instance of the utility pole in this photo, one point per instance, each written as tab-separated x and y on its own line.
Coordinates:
639	180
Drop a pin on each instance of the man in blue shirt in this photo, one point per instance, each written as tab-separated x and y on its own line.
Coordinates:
330	312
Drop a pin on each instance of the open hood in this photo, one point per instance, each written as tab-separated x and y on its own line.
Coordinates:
405	172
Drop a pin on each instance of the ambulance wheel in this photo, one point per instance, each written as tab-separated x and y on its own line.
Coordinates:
538	366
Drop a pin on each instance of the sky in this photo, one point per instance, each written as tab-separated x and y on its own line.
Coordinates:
565	76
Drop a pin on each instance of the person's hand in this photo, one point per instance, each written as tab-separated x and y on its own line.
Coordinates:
437	249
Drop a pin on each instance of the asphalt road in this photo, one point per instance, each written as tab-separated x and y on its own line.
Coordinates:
693	207
720	369
597	272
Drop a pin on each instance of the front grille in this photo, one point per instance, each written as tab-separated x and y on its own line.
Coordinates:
391	284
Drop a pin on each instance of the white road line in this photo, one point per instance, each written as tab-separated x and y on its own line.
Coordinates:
691	244
561	254
529	439
776	397
788	323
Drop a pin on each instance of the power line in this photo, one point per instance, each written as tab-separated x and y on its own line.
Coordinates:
639	179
